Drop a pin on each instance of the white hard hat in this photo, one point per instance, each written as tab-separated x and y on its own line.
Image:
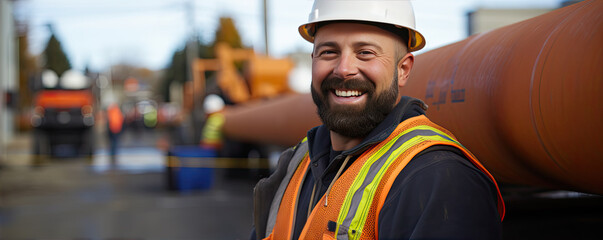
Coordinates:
72	79
398	13
213	103
49	79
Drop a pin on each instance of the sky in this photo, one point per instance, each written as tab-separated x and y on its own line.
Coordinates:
100	33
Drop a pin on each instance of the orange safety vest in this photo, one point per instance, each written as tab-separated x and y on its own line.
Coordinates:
357	196
115	118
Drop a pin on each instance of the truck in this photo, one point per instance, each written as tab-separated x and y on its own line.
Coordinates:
63	117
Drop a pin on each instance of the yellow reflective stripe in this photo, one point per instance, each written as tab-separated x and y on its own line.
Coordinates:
359	218
425	127
367	202
367	199
361	176
360	179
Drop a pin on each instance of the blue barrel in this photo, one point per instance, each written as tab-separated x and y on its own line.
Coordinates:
189	168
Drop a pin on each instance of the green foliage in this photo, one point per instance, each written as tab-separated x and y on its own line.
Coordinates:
55	57
227	32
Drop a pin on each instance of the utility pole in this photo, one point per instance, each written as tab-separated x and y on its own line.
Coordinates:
191	44
196	114
265	6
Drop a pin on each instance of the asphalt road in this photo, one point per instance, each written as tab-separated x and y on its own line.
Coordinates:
123	198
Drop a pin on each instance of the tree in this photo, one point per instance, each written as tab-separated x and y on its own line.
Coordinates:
55	57
227	32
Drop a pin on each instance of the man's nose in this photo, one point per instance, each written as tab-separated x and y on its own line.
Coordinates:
346	66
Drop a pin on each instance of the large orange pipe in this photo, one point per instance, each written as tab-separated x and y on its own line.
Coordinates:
525	98
283	120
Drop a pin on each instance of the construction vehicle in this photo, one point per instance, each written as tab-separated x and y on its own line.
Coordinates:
264	77
241	78
63	117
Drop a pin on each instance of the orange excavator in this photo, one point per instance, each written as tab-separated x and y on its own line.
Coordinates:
261	80
264	77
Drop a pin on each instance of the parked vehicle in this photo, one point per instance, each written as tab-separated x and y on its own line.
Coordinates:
63	117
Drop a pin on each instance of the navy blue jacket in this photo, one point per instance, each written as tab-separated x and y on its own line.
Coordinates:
438	195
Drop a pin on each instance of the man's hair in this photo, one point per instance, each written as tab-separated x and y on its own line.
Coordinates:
401	51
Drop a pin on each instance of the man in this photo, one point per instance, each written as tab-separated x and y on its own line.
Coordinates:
115	122
377	168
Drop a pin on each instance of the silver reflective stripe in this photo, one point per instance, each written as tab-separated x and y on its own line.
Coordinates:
375	169
298	156
342	233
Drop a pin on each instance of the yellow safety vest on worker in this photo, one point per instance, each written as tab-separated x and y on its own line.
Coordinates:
351	208
211	135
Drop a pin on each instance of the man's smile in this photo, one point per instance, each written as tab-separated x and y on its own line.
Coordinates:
348	93
345	96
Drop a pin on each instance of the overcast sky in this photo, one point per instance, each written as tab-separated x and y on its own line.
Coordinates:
100	33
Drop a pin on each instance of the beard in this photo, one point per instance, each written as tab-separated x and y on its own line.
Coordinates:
354	121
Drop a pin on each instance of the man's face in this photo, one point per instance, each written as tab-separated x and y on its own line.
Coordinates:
354	77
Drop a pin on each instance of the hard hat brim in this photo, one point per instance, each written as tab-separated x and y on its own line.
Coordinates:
416	41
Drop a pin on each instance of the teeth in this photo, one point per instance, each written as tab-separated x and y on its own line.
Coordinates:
349	93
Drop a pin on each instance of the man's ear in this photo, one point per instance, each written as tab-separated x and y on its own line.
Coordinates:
404	67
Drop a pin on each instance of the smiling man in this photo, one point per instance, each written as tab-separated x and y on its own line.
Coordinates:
356	77
377	168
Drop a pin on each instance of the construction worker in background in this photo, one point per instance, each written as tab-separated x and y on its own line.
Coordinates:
211	135
115	122
377	168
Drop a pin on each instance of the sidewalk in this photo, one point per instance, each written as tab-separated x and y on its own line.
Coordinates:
17	151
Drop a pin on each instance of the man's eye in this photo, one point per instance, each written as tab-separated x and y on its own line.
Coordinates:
327	52
366	55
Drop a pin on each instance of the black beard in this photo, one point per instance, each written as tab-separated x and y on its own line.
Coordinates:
352	121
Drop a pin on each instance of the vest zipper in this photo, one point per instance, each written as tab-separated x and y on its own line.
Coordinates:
345	162
330	186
